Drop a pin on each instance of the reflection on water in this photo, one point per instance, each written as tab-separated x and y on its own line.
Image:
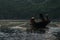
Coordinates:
15	34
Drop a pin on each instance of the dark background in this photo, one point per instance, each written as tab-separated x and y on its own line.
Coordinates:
25	9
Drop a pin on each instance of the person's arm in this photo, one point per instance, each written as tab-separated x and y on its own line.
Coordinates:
47	18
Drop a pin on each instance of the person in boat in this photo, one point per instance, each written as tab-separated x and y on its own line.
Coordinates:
43	22
32	22
39	25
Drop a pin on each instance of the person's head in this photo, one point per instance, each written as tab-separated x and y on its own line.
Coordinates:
33	17
41	16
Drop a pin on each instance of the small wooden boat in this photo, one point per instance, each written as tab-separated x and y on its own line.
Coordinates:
41	25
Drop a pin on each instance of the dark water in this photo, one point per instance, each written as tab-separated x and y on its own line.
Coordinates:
15	34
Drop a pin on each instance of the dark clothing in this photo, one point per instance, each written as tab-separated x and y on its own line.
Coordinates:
40	25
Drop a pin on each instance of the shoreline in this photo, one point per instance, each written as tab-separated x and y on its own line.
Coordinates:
13	20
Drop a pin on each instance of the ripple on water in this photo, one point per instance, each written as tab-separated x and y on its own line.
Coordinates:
23	35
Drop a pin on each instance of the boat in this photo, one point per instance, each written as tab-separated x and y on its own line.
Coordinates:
41	25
